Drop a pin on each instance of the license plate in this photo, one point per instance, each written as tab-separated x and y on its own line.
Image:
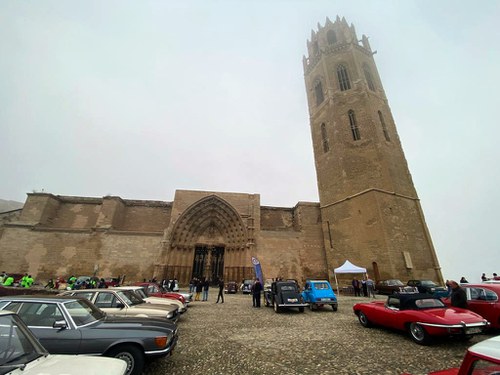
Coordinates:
292	299
325	299
474	330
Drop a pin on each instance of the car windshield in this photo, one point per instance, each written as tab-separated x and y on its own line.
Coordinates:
83	312
130	297
395	283
428	283
321	286
141	293
288	287
428	303
17	347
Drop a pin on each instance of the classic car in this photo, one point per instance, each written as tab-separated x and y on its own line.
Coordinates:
423	316
246	286
318	293
483	300
141	291
156	290
125	303
22	353
429	286
73	325
389	286
482	358
231	287
285	294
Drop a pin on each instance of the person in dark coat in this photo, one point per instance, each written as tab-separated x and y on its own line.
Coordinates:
221	291
458	295
198	288
256	290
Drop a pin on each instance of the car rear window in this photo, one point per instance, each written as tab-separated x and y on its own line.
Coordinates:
321	286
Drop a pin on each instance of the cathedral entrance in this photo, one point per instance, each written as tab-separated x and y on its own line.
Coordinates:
208	263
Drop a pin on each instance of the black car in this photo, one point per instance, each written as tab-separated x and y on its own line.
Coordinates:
284	294
246	286
73	325
429	286
231	287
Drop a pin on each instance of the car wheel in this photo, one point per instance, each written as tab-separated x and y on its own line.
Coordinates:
276	307
418	334
334	307
301	309
363	319
132	356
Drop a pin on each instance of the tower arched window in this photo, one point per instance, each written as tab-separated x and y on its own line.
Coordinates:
343	77
384	128
318	91
368	77
331	37
354	126
324	138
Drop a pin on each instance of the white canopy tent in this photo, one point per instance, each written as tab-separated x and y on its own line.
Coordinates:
347	267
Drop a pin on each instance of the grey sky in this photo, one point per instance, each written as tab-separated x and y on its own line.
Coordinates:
137	99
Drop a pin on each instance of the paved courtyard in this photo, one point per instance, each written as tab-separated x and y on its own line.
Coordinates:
234	338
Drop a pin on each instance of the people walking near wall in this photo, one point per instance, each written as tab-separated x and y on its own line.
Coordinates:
221	291
363	287
356	287
370	287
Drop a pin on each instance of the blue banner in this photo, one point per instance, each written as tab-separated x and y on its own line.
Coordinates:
258	269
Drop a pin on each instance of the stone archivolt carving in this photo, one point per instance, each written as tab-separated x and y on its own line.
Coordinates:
209	215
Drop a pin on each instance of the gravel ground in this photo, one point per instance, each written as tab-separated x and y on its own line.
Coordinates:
234	338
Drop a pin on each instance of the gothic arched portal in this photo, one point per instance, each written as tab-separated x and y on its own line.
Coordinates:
209	240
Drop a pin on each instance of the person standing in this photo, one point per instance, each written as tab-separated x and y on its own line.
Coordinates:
256	290
458	296
221	291
463	280
198	288
206	285
357	289
484	278
363	287
370	287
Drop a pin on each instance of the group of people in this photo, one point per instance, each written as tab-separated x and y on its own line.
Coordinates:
202	286
365	286
8	280
486	278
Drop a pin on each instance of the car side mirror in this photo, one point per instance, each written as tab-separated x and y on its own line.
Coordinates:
60	324
120	305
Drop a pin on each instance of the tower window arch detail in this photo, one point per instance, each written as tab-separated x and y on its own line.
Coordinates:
331	37
354	126
384	128
343	77
318	92
324	138
368	77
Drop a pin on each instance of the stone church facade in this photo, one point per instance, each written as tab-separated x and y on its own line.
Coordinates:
368	212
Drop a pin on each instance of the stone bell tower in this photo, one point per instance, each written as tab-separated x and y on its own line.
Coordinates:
371	214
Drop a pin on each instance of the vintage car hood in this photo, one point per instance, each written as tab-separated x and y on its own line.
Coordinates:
74	365
135	323
163	301
453	315
149	308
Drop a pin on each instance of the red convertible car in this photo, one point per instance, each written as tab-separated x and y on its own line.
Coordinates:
421	315
483	299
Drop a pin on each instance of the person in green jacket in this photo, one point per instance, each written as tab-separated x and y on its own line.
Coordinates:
8	281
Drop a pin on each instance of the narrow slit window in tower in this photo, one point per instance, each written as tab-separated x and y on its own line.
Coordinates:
318	90
324	137
315	48
343	78
331	37
354	126
384	128
369	78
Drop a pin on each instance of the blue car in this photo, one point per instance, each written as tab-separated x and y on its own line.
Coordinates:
318	293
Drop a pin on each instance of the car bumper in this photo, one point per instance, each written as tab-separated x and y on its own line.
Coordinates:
293	305
456	329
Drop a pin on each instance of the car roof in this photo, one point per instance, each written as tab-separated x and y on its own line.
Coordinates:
493	286
128	287
489	348
40	298
407	300
317	281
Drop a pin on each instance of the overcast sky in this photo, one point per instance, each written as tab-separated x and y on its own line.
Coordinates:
140	98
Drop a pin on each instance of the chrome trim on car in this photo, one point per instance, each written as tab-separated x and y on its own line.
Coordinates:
481	324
